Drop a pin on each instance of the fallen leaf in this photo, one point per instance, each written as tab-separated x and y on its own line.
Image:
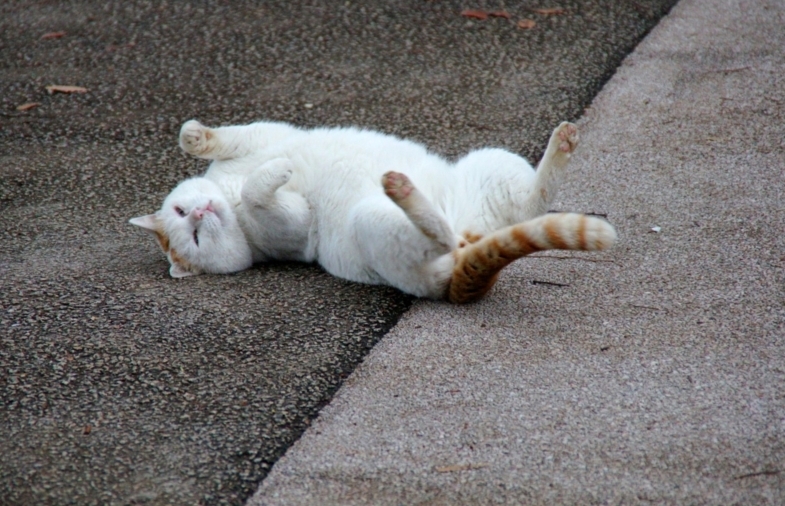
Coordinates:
474	13
112	47
27	106
526	24
459	467
500	14
555	11
87	430
65	89
53	35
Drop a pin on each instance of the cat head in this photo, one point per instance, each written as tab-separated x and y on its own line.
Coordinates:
198	230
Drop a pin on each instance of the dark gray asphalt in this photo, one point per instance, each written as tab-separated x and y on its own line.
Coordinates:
122	386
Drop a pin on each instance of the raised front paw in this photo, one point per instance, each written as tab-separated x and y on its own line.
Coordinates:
264	181
397	186
566	135
270	176
277	171
195	138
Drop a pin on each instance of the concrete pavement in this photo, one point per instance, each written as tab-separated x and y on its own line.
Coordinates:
654	373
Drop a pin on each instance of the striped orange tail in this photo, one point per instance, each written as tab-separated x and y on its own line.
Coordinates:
477	265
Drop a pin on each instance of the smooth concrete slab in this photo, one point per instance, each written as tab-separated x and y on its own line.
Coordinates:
653	373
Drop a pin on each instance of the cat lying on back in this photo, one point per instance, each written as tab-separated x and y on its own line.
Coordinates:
367	207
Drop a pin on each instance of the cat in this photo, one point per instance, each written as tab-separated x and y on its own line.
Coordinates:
368	207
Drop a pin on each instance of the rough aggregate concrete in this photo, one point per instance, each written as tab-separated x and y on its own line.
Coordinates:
120	385
650	374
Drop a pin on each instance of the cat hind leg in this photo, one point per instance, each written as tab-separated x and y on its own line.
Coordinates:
550	170
419	209
567	133
549	173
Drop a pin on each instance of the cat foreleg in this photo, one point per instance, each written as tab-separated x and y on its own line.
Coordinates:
276	221
230	142
260	188
419	209
199	140
550	170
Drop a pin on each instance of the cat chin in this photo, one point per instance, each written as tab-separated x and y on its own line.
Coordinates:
177	271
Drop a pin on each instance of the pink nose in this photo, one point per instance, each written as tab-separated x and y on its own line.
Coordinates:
198	212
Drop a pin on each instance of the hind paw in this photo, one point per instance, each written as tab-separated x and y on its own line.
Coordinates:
566	135
397	186
195	138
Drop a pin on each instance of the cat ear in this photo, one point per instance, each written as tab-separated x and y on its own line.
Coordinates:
148	222
178	271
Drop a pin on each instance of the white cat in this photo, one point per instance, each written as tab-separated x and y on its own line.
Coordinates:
367	207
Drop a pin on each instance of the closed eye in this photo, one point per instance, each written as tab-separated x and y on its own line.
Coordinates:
196	237
179	210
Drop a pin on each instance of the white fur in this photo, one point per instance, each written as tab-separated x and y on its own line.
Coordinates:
317	196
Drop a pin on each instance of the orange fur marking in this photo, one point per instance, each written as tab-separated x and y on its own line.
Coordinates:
177	259
477	269
163	240
472	238
477	266
524	241
553	235
582	233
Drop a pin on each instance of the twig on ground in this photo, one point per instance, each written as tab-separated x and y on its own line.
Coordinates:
599	215
734	69
595	260
768	472
538	282
460	467
647	307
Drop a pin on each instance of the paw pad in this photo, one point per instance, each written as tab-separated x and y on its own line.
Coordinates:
194	137
567	133
396	185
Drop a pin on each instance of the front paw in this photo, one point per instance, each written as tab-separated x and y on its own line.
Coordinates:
274	173
265	181
195	138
